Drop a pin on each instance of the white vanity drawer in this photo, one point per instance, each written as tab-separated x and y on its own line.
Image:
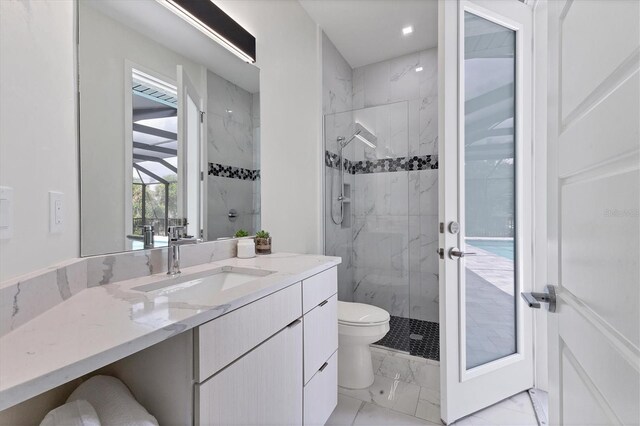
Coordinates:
319	287
264	387
221	341
320	335
321	393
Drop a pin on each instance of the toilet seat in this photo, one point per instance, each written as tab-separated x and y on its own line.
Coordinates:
361	315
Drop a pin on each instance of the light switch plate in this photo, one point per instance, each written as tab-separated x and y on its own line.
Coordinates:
56	212
6	212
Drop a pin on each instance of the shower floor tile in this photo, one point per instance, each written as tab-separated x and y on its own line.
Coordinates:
416	337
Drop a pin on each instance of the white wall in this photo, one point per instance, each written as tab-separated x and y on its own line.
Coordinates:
291	110
38	146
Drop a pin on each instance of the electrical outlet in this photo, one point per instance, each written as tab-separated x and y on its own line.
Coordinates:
56	212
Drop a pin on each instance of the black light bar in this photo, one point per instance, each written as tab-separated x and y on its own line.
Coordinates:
210	19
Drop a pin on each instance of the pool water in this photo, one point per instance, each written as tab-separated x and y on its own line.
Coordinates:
502	248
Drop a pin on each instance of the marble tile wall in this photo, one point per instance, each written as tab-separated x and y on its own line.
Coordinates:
27	296
233	128
336	106
395	225
337	85
389	255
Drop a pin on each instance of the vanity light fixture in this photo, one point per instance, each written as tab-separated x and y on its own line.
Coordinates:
418	69
217	25
407	30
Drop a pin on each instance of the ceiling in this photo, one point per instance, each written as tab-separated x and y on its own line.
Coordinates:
369	31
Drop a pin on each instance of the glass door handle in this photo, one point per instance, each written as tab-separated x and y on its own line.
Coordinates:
455	252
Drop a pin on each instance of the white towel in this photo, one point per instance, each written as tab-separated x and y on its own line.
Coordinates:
75	413
113	402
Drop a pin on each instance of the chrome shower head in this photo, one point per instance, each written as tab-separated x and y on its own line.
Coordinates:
362	134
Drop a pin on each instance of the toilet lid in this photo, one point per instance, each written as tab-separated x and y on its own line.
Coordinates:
361	314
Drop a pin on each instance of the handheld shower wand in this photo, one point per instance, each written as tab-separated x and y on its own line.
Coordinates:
362	134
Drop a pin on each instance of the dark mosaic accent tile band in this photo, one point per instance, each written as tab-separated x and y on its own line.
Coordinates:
332	160
232	172
417	337
384	165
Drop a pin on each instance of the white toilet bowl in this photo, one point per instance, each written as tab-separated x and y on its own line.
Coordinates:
359	325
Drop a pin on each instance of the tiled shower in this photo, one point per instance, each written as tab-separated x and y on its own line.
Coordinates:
388	238
233	174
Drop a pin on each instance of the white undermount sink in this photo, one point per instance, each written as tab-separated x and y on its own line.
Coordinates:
218	279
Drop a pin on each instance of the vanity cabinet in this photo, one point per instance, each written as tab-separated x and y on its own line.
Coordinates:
264	387
320	307
273	361
227	338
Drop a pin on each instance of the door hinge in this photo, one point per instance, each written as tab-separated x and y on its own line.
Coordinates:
201	175
202	116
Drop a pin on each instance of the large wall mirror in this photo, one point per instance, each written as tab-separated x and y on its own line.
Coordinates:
169	129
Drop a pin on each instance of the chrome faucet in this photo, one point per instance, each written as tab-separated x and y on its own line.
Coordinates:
147	233
176	239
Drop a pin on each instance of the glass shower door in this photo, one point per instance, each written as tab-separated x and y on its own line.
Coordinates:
369	226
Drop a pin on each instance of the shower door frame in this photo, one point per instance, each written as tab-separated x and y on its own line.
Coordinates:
465	391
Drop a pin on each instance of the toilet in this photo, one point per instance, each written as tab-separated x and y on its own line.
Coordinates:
359	325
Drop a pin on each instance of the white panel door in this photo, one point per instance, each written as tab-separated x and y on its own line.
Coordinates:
594	202
485	51
190	136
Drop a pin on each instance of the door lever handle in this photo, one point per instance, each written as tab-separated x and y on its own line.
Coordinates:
456	252
534	299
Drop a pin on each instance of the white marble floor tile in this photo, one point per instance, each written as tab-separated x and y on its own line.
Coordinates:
519	402
376	359
345	412
388	393
430	395
427	410
426	374
514	411
393	366
371	415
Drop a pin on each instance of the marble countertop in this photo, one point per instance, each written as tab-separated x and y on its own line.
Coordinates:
103	324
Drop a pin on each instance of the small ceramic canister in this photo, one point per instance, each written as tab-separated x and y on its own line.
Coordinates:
246	248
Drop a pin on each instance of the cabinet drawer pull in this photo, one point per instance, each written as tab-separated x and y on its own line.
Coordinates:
294	323
323	302
324	366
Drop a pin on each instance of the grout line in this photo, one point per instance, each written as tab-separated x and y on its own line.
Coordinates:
357	413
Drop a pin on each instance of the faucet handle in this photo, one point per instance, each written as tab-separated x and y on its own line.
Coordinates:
175	232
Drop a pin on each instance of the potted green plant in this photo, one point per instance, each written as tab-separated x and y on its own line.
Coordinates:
241	233
263	242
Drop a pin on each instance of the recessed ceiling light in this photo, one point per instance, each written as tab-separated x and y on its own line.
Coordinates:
418	69
407	30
